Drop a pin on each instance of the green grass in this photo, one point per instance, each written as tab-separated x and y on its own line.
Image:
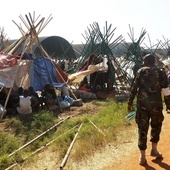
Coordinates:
97	130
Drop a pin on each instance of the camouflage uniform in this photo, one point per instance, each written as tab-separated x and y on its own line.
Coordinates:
147	86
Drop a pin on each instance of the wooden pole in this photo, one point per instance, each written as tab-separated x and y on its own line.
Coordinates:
9	92
38	137
24	22
11	46
45	24
38	150
20	28
40	25
14	49
97	128
69	149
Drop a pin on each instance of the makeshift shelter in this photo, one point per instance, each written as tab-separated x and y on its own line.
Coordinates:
133	60
102	44
20	67
30	72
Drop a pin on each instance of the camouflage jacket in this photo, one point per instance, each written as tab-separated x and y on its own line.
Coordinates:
147	86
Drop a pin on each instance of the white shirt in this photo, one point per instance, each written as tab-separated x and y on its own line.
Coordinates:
24	105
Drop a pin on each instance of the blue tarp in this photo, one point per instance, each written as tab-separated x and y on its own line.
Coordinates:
42	72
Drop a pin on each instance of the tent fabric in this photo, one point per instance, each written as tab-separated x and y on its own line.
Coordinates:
30	72
44	72
16	75
7	61
62	77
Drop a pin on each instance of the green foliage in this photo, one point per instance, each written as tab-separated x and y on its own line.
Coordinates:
101	103
98	128
4	162
17	126
7	143
88	142
111	116
42	121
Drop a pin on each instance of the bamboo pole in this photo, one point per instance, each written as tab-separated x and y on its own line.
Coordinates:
58	102
18	44
29	22
97	128
45	24
39	149
28	143
31	17
8	48
43	19
69	149
20	28
44	53
10	90
35	20
24	22
34	16
34	33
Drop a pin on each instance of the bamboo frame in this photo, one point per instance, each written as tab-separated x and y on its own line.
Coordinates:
32	36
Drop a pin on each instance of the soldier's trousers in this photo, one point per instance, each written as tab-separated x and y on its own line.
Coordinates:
144	118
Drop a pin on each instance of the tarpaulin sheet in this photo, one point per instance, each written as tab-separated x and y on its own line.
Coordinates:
30	72
14	73
44	72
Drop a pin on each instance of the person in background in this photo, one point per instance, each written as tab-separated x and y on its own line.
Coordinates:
167	71
147	86
35	102
49	96
13	101
84	85
20	91
166	97
66	65
24	103
3	96
70	65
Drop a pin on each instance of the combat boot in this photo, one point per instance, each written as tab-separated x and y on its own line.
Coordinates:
142	158
154	151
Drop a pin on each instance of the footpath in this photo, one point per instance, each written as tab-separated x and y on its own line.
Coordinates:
131	162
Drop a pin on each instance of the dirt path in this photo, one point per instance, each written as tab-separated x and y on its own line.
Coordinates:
123	156
130	161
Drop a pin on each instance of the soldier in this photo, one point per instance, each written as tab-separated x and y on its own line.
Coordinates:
147	86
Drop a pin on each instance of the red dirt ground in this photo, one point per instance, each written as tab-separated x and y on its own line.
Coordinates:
131	162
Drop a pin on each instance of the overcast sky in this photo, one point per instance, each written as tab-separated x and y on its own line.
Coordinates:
71	18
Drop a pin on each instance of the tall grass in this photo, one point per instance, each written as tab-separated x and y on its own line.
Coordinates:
100	129
97	130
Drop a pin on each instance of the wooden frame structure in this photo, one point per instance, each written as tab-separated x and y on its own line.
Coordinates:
34	27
